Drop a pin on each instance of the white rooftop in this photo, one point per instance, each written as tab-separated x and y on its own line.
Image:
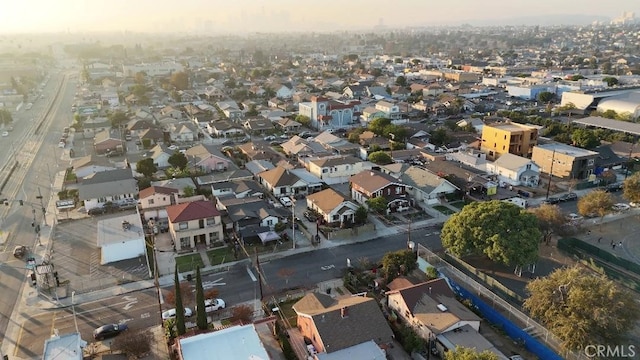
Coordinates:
234	343
367	350
112	230
65	347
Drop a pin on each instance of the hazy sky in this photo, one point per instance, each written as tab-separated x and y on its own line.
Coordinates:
18	16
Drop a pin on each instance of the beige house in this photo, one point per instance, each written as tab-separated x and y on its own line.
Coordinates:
194	223
569	162
430	308
337	169
332	206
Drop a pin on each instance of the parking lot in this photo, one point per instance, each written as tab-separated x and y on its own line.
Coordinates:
77	258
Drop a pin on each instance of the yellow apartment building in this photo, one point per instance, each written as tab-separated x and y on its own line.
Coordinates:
508	137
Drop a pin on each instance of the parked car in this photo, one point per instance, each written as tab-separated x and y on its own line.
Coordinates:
97	211
20	251
620	207
551	201
309	215
613	187
269	138
171	313
211	305
569	197
110	330
574	218
5	133
286	201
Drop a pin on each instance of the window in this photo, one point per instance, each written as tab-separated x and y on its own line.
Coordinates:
201	224
213	236
590	162
185	242
211	221
183	226
388	191
324	171
528	166
398	190
335	217
150	201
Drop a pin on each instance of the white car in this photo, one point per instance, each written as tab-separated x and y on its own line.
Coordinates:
211	305
286	201
5	133
574	217
269	138
173	147
620	207
634	204
171	313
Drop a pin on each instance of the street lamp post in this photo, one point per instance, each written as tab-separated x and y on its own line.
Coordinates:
293	222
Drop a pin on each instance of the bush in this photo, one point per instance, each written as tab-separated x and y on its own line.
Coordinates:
136	344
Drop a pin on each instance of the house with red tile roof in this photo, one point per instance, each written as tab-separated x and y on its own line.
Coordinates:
194	223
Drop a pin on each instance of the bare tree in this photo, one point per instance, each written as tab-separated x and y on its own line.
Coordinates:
136	344
243	313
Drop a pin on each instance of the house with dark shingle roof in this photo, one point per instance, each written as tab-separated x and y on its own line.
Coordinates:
431	308
337	324
107	186
337	169
194	223
332	206
282	182
423	185
369	184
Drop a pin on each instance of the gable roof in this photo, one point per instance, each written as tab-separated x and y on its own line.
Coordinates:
511	161
152	190
364	320
279	176
329	161
422	179
372	180
108	183
327	199
250	210
195	210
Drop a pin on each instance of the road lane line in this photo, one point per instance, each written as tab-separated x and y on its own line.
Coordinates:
18	340
253	277
53	323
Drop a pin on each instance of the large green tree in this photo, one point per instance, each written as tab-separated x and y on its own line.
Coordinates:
118	118
545	96
610	80
146	167
595	203
502	231
201	313
631	188
581	307
180	321
584	138
377	204
178	160
465	353
400	262
380	158
377	126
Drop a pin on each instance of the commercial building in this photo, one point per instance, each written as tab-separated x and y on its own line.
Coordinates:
569	162
508	137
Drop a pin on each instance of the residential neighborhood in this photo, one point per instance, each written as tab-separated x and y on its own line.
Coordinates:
390	195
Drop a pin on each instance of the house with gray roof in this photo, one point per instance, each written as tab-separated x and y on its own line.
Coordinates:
255	167
177	183
425	186
515	170
112	186
160	155
237	189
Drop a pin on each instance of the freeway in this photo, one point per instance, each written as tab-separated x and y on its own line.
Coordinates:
38	158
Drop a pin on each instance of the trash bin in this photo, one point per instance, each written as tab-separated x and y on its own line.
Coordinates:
189	277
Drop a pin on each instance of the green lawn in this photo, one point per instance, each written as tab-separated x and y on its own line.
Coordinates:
458	204
189	262
221	255
286	309
443	209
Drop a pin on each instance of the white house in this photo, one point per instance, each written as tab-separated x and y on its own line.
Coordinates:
332	206
194	223
107	186
515	170
160	155
337	169
282	182
120	238
425	185
183	132
391	110
283	92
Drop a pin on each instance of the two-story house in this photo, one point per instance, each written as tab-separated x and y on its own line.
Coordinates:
337	169
194	223
112	186
515	170
333	207
154	199
370	184
508	138
565	161
391	110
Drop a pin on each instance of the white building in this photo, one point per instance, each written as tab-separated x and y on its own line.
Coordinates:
121	238
515	170
154	69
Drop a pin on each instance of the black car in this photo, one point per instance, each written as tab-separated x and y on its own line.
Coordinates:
613	187
569	197
551	201
110	330
97	211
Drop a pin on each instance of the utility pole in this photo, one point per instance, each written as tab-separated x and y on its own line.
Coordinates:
553	156
259	273
156	279
293	222
630	161
44	211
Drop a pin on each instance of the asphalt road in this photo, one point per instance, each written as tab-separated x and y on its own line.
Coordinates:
37	161
139	310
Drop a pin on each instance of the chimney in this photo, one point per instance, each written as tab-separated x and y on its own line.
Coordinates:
344	312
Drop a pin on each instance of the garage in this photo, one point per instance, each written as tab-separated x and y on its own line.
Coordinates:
120	238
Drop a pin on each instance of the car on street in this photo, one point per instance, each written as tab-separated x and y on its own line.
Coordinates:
110	330
619	207
613	187
211	305
171	313
309	215
269	138
5	133
551	201
20	251
574	218
286	201
97	211
568	197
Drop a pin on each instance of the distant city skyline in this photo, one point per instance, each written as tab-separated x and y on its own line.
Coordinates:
217	16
